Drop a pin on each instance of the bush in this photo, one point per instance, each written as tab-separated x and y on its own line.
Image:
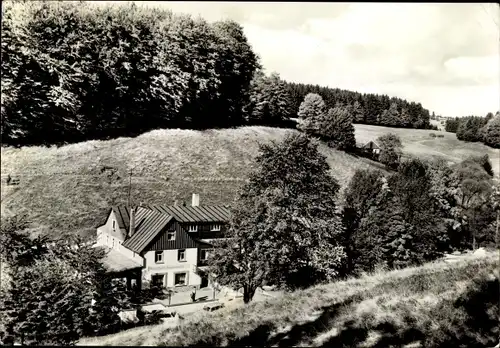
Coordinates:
432	135
153	318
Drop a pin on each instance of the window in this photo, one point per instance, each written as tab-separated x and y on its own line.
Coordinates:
157	280
215	228
171	235
159	256
181	255
180	279
192	228
204	254
114	224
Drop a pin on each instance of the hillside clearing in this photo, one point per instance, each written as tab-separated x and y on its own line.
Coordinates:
417	142
69	189
417	305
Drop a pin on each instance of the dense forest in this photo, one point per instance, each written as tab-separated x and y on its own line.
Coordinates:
476	129
367	108
76	71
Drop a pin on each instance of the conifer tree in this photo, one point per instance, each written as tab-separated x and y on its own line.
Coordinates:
311	110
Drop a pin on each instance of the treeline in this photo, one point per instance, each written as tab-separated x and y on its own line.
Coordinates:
78	71
476	129
287	229
74	71
333	126
367	108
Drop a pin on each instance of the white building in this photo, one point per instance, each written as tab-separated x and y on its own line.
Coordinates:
162	245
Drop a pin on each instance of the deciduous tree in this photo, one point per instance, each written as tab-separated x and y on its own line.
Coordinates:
285	227
310	112
58	290
491	134
269	101
390	149
337	129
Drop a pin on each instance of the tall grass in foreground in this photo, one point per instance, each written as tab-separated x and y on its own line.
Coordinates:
436	305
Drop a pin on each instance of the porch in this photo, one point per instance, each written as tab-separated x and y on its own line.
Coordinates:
118	266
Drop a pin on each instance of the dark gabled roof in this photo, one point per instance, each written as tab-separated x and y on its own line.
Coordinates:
206	213
371	145
122	216
148	224
151	220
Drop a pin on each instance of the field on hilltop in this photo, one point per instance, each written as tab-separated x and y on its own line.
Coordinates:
70	188
418	142
439	304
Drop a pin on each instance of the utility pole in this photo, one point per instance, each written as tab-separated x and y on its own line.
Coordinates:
130	189
498	223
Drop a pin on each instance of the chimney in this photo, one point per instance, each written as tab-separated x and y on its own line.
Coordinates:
132	222
196	200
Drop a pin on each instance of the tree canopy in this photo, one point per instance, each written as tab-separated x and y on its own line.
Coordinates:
366	108
57	291
285	227
74	71
390	149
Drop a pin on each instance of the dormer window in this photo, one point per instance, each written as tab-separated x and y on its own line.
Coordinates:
193	228
170	235
215	227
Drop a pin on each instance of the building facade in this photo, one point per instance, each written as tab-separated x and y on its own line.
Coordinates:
169	244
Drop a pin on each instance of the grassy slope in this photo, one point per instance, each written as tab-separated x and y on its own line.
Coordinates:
65	189
439	304
417	142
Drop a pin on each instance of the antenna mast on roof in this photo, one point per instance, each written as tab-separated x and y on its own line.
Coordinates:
130	189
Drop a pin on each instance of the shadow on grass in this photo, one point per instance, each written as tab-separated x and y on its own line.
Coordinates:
469	321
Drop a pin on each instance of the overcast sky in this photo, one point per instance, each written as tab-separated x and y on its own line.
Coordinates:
445	56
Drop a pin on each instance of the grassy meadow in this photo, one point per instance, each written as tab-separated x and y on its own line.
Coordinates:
418	142
439	304
69	189
65	188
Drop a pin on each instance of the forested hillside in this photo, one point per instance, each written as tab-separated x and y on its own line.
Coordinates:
476	129
75	71
373	109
